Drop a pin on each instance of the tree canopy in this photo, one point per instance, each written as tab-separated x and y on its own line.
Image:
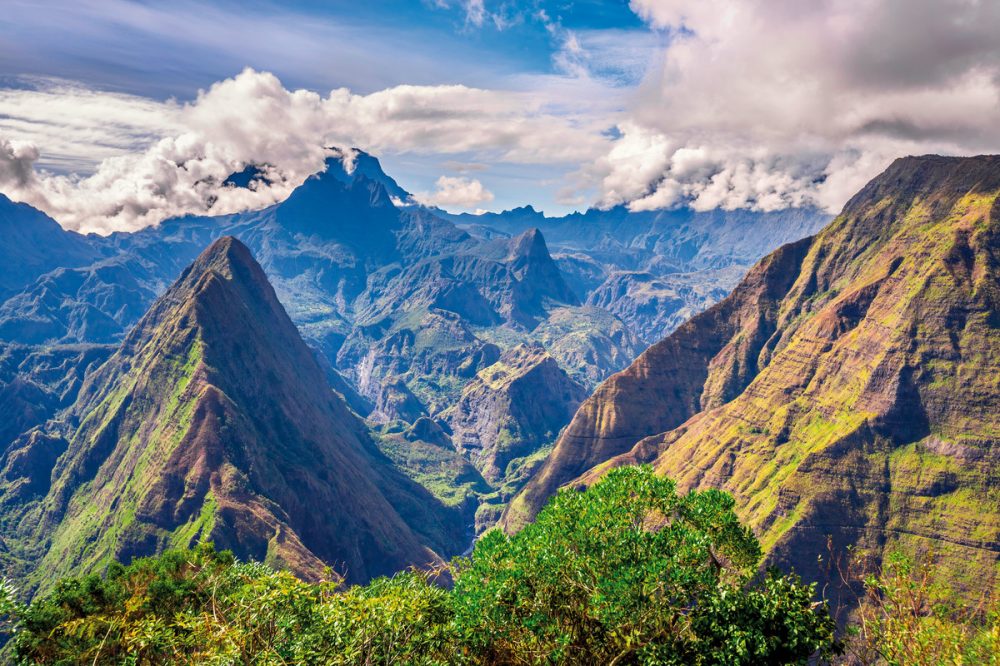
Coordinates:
626	572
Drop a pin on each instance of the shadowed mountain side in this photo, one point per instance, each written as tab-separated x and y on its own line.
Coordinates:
857	401
512	408
214	421
32	243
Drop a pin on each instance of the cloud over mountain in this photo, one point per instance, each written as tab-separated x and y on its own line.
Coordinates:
455	191
767	104
720	103
253	119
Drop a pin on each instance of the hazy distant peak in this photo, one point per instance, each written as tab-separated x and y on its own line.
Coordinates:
348	165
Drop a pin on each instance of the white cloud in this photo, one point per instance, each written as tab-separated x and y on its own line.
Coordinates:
252	118
453	191
76	127
775	103
475	12
739	103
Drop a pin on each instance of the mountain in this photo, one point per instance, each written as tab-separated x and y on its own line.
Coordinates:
663	241
213	420
35	383
653	269
32	243
513	408
654	305
847	387
350	164
402	307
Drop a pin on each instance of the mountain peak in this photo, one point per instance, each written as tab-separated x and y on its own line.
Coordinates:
245	177
227	274
943	179
225	251
530	261
844	392
348	165
529	245
219	411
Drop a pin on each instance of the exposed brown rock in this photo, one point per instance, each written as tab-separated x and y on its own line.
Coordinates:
849	388
214	421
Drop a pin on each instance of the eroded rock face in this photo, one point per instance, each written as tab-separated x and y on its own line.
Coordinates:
36	382
654	306
667	384
512	408
846	389
214	421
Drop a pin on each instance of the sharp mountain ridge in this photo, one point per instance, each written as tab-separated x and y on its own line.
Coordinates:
847	389
214	421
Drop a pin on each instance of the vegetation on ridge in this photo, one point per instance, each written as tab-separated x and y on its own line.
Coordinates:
627	572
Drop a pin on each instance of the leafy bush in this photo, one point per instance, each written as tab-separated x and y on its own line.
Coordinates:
907	618
630	572
626	572
202	607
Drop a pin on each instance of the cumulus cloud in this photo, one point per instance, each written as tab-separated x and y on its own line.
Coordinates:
774	103
17	163
452	191
253	119
760	104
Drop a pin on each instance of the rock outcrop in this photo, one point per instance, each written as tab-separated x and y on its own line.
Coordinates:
847	389
214	421
512	408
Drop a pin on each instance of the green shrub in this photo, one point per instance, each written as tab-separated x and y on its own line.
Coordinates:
906	618
630	572
626	572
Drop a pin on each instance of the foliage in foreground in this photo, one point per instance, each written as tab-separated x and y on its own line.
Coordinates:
627	572
907	618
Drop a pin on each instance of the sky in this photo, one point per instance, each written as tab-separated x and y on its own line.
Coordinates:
115	114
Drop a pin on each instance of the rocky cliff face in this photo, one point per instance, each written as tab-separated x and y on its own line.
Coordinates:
846	389
512	408
32	243
654	306
214	421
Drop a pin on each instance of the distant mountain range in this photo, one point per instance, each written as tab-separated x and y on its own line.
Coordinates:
405	307
144	361
846	390
653	269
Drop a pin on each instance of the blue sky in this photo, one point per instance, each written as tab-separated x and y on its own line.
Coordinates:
115	114
170	51
129	47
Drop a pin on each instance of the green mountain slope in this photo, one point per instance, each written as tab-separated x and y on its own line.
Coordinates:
849	387
214	421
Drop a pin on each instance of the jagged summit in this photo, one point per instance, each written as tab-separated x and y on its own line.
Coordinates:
531	262
846	388
350	164
530	245
358	213
247	176
214	421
